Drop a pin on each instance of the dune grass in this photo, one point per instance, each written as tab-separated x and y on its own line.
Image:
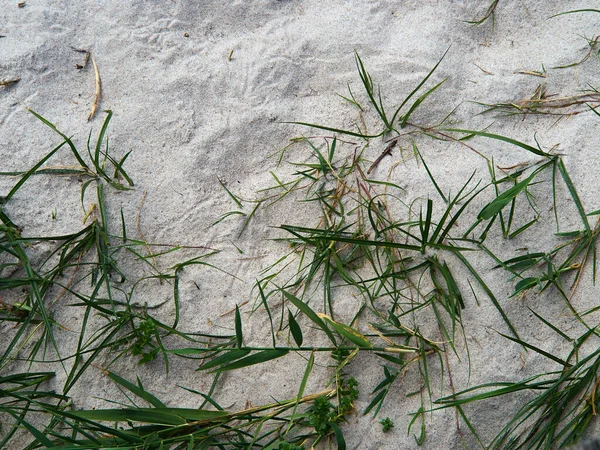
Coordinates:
408	263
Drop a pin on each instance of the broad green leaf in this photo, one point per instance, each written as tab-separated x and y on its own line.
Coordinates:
225	358
339	436
503	199
295	329
349	333
256	358
310	313
524	284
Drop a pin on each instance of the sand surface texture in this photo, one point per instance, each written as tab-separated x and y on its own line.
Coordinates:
203	94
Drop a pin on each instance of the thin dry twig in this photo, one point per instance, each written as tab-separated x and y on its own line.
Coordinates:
488	13
9	81
550	104
387	151
87	57
532	72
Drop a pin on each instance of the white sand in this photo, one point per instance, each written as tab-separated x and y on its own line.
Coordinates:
199	91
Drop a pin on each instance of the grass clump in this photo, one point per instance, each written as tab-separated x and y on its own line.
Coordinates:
407	263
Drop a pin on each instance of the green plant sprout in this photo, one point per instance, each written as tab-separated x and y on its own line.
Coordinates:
386	424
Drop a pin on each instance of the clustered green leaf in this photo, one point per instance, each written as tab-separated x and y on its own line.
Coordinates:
386	424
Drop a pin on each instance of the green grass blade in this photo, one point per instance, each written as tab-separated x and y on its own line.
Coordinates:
537	350
337	130
315	233
64	136
576	11
571	187
498	137
307	372
226	358
504	199
295	329
158	416
233	197
415	90
239	337
437	188
488	291
31	171
137	390
255	358
416	104
339	436
310	314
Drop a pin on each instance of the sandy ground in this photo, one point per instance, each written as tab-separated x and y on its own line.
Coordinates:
201	90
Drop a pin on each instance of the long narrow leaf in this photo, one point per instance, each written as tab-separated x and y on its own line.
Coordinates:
255	358
310	314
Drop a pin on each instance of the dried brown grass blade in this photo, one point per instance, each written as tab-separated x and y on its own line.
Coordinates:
98	87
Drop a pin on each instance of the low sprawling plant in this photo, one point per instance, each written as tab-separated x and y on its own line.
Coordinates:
407	259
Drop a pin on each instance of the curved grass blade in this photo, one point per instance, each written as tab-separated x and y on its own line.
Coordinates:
64	136
420	100
415	90
576	11
31	171
498	137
